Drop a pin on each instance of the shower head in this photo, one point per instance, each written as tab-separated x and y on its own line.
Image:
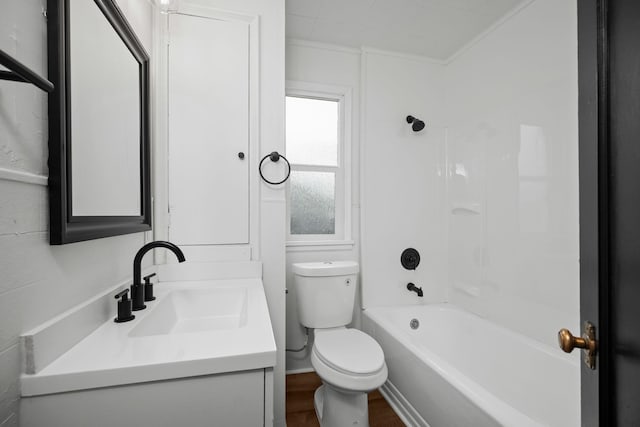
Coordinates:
416	124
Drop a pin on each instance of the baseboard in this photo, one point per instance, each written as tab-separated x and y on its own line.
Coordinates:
300	371
406	412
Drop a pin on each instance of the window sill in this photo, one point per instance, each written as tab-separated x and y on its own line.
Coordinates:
319	245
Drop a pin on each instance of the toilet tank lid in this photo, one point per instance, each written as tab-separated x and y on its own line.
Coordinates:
323	269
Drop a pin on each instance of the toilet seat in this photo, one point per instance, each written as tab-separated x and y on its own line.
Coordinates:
348	359
349	351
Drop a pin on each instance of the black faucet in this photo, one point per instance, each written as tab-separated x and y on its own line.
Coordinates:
414	288
137	289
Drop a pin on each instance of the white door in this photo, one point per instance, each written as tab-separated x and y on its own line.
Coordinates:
208	81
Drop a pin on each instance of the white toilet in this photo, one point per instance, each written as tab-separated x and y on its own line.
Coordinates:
349	362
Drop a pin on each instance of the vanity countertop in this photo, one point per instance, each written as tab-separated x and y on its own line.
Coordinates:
134	352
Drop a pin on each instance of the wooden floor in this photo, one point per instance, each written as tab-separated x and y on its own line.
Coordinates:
300	411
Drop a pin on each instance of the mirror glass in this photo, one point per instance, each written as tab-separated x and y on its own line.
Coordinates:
105	117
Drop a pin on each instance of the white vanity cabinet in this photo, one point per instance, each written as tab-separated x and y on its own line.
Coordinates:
209	128
222	400
200	355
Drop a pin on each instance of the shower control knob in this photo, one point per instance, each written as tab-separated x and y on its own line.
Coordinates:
410	258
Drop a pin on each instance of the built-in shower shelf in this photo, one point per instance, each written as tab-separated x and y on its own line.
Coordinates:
466	209
467	288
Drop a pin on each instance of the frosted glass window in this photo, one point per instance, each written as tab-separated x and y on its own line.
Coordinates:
312	131
318	130
312	196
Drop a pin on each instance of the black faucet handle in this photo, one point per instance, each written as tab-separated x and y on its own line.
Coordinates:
147	279
124	294
148	288
124	307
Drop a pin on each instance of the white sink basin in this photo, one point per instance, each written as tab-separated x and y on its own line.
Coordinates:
195	310
197	326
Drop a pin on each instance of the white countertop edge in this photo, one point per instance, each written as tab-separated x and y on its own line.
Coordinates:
36	385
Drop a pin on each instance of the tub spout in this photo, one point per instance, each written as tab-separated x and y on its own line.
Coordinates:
414	288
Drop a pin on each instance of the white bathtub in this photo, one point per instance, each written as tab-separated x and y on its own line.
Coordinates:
458	369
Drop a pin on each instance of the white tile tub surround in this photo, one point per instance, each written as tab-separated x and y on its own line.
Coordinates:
480	373
402	178
512	108
494	214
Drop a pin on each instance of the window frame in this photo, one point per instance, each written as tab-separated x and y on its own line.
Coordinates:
341	95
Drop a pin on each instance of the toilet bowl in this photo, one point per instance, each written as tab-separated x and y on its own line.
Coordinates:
349	362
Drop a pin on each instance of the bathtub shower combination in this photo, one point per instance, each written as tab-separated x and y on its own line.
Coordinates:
478	373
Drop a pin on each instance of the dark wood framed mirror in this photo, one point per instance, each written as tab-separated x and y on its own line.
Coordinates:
99	140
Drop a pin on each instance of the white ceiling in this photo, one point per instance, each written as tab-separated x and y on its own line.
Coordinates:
434	28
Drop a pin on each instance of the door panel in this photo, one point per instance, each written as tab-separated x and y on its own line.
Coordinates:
208	81
609	52
624	205
592	171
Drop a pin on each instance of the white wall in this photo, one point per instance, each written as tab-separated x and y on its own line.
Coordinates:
337	66
403	180
39	281
513	156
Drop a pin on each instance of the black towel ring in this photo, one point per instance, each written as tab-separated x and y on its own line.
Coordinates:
274	156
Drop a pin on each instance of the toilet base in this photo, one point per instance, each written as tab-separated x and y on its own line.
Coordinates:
337	408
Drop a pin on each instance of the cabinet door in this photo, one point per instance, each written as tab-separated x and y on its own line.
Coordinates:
233	399
208	81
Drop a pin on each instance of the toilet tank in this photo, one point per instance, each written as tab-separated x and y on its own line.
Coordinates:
325	292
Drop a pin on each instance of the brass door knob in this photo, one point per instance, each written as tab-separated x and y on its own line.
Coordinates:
568	342
587	342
